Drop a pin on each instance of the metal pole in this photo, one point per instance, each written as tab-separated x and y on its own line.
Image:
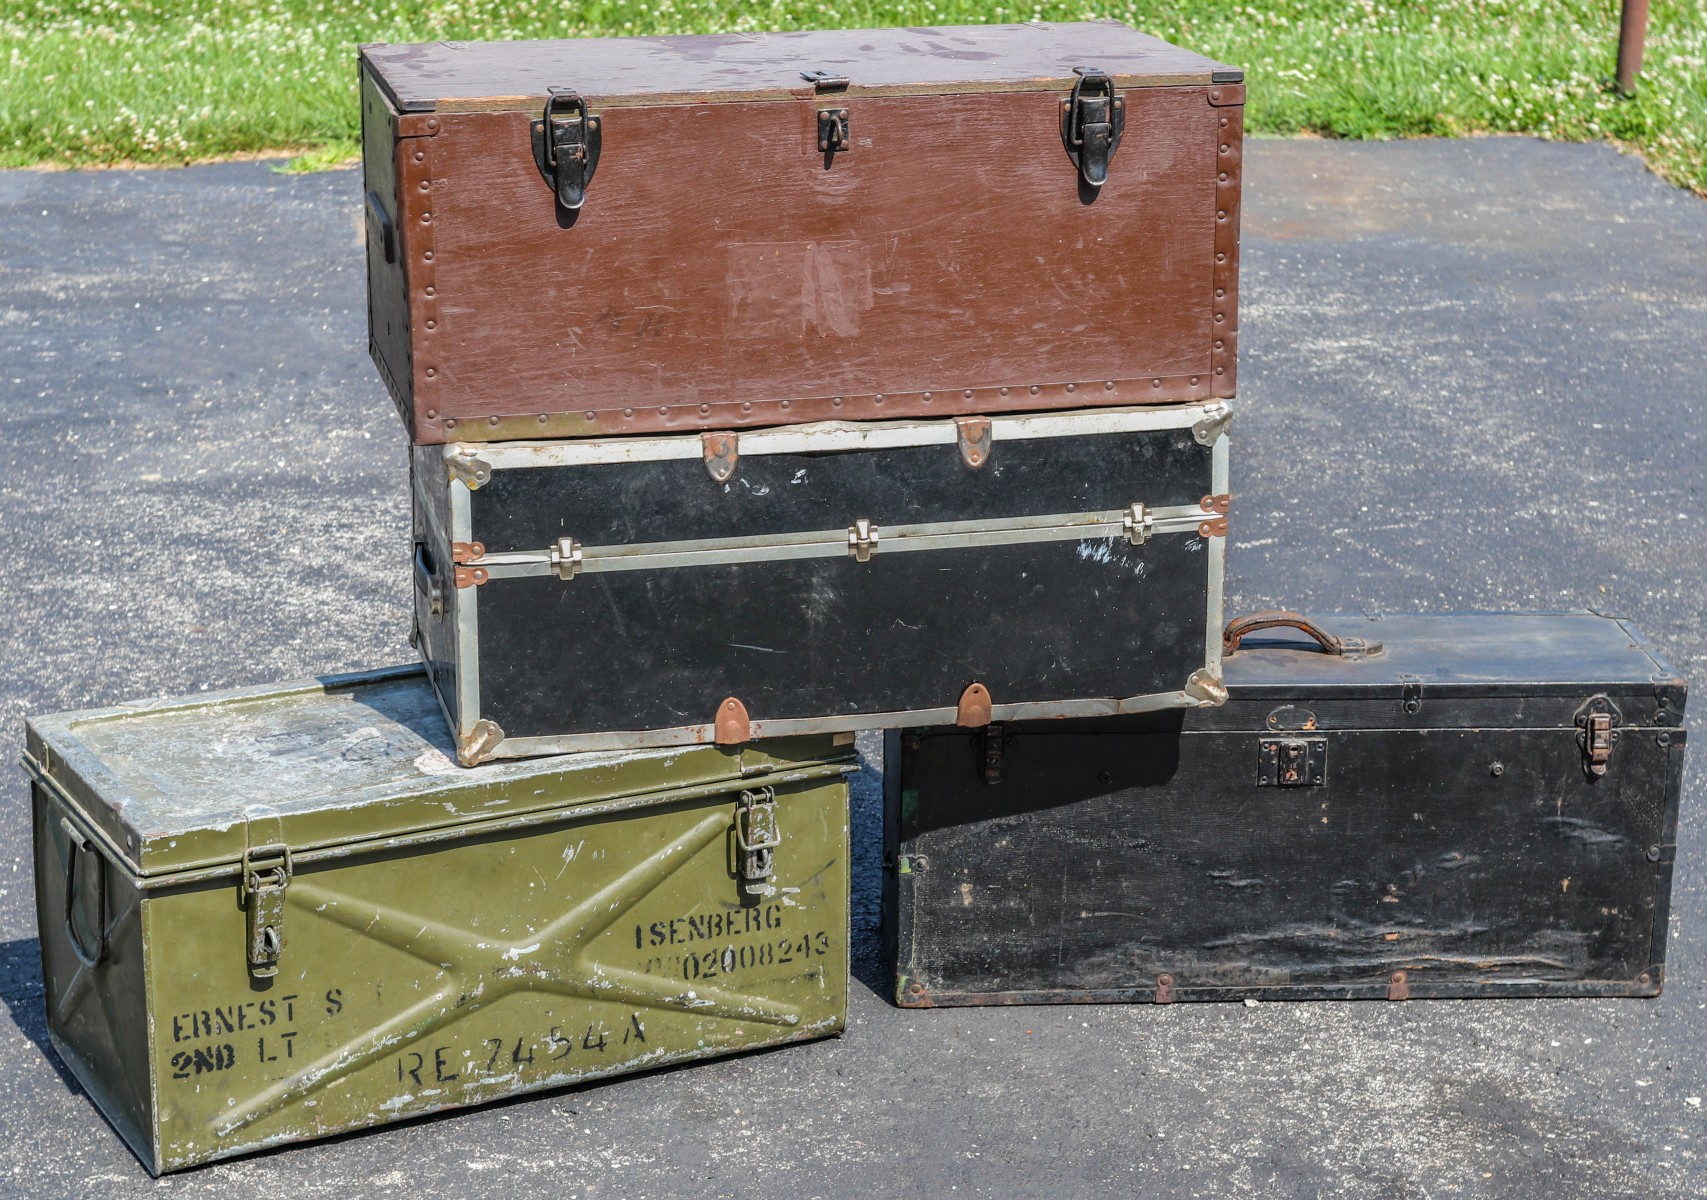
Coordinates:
1632	39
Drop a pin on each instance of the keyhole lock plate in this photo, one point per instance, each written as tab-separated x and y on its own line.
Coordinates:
1292	762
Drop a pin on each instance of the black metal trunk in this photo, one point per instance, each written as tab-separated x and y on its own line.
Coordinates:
664	591
1424	820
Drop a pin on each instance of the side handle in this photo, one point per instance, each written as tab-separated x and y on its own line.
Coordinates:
1275	618
77	845
379	227
427	580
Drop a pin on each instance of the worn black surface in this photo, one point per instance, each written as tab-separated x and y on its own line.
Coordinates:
620	504
1473	858
1472	379
828	637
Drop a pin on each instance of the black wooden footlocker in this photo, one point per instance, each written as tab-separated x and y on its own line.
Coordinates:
1399	807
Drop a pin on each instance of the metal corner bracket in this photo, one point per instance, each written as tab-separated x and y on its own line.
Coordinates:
1212	424
1206	688
464	464
481	741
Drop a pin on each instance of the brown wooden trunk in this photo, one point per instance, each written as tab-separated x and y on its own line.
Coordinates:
724	272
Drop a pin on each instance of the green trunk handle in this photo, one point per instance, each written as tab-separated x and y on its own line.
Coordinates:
78	844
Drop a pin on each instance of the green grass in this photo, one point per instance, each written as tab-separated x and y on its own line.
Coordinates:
104	81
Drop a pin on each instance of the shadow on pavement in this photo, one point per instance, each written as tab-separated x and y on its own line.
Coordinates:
21	989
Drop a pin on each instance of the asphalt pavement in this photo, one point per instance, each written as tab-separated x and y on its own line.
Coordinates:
1473	376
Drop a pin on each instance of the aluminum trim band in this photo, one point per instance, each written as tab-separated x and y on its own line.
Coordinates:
466	645
1218	467
833	436
694	735
833	543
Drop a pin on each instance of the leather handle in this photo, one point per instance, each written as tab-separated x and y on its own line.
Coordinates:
1279	618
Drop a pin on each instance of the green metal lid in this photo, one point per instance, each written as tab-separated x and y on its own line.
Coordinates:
184	787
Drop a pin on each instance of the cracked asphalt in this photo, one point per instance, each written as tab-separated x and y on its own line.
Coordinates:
1472	377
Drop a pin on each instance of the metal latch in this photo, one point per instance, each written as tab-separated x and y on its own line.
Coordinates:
1292	762
1092	119
566	558
1138	522
566	146
266	875
1597	724
824	81
833	130
757	837
995	749
862	539
1411	695
464	574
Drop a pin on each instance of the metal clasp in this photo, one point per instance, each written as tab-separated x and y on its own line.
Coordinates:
1138	522
1092	119
995	750
1597	721
833	130
862	539
566	558
566	143
266	875
757	837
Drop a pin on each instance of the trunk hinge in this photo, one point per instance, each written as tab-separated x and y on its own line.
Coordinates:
862	539
973	710
266	875
757	837
566	146
973	436
721	451
1092	119
731	726
1597	733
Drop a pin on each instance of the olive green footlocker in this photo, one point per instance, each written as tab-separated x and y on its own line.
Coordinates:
284	913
